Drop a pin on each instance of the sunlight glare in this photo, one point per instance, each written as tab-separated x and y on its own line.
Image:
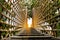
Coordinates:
29	22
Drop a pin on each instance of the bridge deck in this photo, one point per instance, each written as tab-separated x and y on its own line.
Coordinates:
34	35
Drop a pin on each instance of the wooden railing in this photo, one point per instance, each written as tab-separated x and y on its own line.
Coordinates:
13	17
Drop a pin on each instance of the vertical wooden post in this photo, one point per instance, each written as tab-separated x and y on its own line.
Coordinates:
26	18
33	17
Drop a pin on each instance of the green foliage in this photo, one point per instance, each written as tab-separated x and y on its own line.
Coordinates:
2	25
4	18
3	33
30	15
35	3
2	1
1	9
58	27
30	12
7	6
59	2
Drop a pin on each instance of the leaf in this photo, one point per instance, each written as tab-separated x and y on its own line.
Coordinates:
2	1
7	6
1	9
59	2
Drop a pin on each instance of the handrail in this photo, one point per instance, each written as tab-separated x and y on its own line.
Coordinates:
6	9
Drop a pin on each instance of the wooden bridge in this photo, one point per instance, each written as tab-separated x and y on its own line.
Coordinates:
30	19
